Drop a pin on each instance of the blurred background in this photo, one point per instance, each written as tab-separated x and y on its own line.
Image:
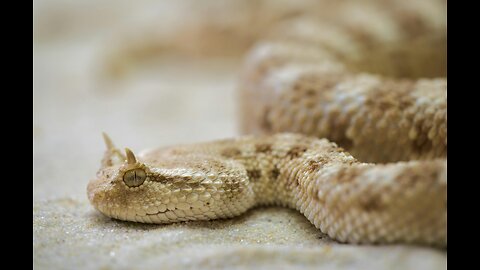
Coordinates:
156	73
82	86
149	73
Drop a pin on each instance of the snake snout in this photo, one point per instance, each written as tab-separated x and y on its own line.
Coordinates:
96	190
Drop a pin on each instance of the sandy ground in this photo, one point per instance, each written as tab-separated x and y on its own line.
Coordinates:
178	100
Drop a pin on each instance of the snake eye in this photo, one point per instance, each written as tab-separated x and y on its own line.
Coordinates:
134	178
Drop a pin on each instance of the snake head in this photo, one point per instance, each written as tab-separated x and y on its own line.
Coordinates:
119	183
165	187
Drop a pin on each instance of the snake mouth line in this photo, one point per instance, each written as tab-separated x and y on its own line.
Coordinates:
105	211
159	212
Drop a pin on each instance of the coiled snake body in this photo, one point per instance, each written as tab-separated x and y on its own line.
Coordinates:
306	80
348	200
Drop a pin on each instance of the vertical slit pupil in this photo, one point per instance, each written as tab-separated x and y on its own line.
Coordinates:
135	177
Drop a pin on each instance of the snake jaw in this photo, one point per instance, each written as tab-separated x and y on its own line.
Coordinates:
168	189
97	190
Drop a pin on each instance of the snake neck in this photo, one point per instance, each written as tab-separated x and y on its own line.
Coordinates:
349	200
280	171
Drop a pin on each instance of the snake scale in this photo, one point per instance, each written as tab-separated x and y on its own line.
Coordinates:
348	200
377	91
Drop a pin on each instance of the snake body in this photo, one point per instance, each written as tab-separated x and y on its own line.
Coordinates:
346	199
381	97
372	83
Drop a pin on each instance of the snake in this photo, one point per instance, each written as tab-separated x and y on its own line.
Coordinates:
339	120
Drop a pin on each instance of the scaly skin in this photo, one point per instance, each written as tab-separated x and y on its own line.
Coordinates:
350	201
352	77
375	119
371	87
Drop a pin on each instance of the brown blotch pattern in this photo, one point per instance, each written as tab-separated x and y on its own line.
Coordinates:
312	85
232	188
373	203
310	92
296	151
421	145
314	165
347	174
274	173
263	148
230	152
384	98
254	175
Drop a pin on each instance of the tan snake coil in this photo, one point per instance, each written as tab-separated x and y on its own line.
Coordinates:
307	77
348	200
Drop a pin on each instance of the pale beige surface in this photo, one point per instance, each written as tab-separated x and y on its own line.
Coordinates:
70	235
181	100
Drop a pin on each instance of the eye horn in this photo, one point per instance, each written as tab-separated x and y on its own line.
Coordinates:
134	178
